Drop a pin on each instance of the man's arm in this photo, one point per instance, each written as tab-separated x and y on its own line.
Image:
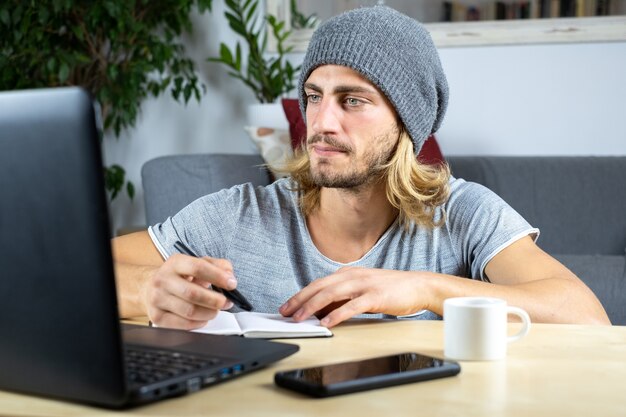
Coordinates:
522	274
172	293
136	259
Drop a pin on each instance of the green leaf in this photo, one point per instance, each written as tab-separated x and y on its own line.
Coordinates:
251	11
204	5
5	17
247	4
225	54
78	33
64	72
17	13
112	71
114	177
43	15
236	25
82	58
51	64
130	190
187	91
232	4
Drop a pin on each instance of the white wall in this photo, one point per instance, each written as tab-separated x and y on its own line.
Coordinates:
516	100
565	99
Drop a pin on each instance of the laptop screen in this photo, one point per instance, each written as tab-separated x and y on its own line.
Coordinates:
60	328
57	290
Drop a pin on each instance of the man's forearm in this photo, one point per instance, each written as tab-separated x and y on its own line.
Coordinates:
130	280
563	299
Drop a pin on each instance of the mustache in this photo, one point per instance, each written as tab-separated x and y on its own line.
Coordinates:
329	140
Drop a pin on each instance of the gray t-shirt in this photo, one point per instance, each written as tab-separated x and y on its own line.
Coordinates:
262	231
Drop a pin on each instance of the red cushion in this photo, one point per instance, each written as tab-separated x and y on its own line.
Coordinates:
429	154
297	128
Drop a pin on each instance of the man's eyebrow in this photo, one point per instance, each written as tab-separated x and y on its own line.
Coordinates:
343	89
313	87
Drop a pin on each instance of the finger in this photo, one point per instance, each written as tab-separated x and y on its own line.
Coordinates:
187	310
320	314
203	270
338	293
348	310
189	292
296	302
224	264
173	321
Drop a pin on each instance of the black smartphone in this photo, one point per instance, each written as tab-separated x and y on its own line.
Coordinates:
366	374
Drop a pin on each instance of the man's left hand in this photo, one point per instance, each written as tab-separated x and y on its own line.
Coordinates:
351	291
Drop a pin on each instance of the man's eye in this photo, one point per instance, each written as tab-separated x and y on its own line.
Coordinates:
352	101
313	98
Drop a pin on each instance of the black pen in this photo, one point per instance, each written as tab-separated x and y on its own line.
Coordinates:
233	295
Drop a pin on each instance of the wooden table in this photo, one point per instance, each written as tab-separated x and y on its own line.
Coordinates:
557	370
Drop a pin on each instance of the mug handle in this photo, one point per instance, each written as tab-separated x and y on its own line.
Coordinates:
516	311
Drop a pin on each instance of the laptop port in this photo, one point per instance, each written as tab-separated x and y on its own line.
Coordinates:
237	369
225	372
194	384
210	379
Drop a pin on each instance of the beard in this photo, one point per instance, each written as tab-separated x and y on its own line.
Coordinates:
361	172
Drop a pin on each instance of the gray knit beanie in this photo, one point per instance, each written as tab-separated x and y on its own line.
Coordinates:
395	53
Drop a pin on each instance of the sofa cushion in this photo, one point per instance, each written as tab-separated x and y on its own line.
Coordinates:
606	276
577	202
171	182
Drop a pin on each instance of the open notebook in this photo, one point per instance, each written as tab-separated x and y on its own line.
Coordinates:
263	326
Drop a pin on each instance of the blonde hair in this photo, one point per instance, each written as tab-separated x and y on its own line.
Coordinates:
414	188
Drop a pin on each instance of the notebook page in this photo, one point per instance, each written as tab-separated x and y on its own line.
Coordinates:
275	325
224	323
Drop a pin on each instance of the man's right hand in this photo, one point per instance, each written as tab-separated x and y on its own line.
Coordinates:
175	293
179	294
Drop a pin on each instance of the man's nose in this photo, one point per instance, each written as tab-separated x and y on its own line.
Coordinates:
325	118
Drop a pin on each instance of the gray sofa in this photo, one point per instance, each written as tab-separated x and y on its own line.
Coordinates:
579	203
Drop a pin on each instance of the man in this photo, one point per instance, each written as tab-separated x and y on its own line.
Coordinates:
361	228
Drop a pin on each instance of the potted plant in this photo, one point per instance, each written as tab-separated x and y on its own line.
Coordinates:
121	51
269	76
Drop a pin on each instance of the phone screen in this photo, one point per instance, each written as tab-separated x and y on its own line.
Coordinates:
366	374
348	371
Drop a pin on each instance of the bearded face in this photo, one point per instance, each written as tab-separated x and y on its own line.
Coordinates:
352	127
357	170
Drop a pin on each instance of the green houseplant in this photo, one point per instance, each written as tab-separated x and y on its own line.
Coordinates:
122	51
268	76
301	21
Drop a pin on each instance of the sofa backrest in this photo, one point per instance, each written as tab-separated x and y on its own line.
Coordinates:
171	182
579	203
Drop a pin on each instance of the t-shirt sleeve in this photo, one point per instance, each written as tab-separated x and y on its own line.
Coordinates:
482	224
207	225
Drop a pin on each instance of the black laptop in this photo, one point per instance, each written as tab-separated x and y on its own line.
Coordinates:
60	334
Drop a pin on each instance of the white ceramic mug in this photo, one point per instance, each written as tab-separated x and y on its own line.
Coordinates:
475	328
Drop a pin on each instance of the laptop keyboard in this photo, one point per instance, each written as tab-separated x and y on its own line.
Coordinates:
146	366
